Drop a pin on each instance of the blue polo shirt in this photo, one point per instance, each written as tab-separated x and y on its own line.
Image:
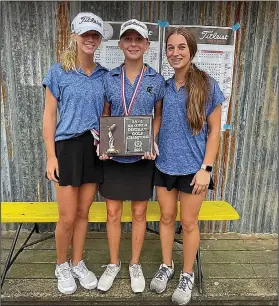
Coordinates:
151	90
80	99
181	153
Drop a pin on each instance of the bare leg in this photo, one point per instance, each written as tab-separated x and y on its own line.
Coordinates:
67	198
114	213
138	228
86	196
168	205
190	205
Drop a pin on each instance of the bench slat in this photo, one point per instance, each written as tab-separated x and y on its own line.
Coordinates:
41	212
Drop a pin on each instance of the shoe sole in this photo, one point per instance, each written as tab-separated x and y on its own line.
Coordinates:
102	290
88	287
158	292
137	292
182	303
66	292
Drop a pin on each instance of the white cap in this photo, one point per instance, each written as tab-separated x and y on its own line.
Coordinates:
136	25
85	22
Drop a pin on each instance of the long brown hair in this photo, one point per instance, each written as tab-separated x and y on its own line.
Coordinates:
196	84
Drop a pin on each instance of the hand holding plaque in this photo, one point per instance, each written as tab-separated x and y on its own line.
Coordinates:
126	135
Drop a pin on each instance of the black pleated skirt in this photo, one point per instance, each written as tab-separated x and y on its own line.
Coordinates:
179	182
128	181
78	162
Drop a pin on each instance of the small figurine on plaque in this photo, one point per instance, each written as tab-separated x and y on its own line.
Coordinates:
111	149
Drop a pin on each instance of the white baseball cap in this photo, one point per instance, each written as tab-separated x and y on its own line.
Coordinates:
85	22
136	25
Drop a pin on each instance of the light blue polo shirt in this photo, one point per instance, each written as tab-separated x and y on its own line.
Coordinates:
151	90
80	99
181	153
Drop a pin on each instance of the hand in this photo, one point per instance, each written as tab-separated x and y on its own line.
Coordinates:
104	157
200	181
150	155
52	166
156	149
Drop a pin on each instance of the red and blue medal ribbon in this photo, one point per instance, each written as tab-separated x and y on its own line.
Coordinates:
127	113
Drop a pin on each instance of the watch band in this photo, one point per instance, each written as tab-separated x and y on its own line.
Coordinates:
207	168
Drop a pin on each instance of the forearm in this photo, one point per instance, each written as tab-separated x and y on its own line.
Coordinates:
49	127
212	147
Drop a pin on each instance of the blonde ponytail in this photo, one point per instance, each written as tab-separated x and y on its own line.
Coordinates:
69	56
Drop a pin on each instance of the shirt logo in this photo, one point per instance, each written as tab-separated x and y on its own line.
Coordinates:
149	89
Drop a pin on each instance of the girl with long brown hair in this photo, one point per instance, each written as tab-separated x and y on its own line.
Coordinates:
188	144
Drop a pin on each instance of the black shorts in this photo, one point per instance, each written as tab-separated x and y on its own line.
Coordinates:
179	182
128	181
78	162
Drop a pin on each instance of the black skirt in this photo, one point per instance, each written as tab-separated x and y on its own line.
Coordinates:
78	162
128	181
179	182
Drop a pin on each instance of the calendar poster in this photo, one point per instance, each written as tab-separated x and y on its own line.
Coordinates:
215	55
110	56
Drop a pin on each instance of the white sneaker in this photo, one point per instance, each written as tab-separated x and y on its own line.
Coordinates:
87	278
107	278
66	282
137	278
183	292
160	279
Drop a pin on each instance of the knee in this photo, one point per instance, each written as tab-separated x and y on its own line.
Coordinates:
167	219
82	214
189	226
114	216
139	215
66	222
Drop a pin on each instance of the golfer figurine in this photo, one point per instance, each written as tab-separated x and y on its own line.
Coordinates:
111	149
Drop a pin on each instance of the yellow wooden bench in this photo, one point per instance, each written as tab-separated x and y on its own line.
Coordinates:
43	212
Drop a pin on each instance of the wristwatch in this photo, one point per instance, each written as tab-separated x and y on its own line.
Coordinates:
206	167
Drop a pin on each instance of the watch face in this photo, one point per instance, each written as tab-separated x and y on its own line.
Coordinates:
208	168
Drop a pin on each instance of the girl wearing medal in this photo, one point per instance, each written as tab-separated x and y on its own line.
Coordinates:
188	144
133	88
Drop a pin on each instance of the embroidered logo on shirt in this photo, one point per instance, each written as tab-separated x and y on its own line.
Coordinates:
149	89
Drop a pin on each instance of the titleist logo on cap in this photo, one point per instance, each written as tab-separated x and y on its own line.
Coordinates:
128	23
89	19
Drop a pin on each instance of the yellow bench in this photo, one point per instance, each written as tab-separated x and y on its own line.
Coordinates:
42	212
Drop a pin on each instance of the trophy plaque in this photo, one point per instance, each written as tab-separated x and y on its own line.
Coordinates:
126	135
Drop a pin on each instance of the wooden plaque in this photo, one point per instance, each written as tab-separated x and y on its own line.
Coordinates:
126	135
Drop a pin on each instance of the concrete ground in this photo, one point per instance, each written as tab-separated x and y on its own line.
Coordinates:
238	270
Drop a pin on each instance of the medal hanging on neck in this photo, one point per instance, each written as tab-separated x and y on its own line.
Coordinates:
127	113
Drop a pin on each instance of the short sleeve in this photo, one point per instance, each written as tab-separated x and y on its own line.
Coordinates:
162	90
51	81
216	97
